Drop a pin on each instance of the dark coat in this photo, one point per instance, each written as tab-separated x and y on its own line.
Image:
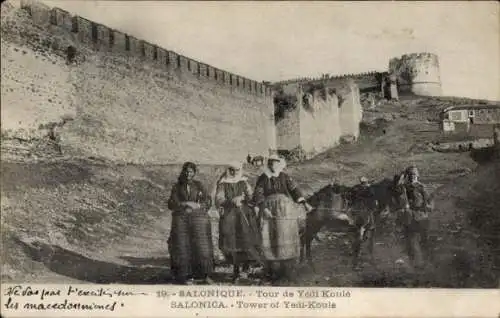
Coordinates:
194	192
417	196
282	184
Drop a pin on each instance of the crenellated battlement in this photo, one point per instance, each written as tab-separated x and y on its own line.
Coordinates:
366	81
328	77
102	38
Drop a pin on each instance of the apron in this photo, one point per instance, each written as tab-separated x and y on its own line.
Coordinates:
280	235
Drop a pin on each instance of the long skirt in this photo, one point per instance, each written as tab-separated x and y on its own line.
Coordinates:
190	244
280	234
239	237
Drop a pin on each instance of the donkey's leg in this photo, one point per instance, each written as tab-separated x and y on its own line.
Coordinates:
356	249
236	272
371	244
408	237
302	242
382	218
372	232
311	233
413	246
246	266
236	268
269	270
302	246
424	239
308	250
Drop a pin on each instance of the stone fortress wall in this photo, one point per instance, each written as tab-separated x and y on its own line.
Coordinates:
130	101
320	116
416	73
102	38
367	81
135	101
340	112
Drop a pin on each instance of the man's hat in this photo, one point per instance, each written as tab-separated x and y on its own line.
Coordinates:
412	170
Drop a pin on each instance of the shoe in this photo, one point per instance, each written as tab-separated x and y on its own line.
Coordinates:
190	282
209	281
236	280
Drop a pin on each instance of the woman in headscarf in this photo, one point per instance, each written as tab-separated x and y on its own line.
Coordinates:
275	198
238	233
190	242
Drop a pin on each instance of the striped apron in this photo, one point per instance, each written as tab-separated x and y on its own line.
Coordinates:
280	234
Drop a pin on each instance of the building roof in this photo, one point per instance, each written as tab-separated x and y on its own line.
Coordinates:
470	107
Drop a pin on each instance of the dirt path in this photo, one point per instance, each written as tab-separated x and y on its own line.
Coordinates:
137	261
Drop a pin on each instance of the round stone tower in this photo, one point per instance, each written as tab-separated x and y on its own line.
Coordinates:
417	73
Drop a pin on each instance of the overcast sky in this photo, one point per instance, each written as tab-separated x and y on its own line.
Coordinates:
282	40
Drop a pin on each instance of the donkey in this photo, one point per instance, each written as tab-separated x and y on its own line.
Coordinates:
415	222
362	210
337	206
329	206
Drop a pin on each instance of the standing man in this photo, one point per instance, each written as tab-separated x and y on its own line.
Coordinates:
363	204
276	197
420	206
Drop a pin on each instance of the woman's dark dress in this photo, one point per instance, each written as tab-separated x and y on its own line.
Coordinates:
238	232
190	242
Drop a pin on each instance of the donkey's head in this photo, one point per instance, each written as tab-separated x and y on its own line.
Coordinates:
329	202
398	192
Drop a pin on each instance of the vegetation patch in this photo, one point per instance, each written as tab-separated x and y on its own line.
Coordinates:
283	103
297	154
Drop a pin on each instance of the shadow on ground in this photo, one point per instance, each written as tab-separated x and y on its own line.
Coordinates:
71	264
74	265
483	155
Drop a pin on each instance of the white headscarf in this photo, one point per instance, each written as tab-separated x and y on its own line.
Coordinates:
279	169
227	178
